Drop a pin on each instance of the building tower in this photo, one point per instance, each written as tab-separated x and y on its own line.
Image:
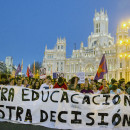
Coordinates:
123	53
100	36
100	22
9	63
61	54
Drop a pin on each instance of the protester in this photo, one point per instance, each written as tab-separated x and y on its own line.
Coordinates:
37	84
115	89
105	90
25	83
86	87
12	82
19	81
95	89
112	82
60	84
122	85
47	84
104	83
74	84
128	87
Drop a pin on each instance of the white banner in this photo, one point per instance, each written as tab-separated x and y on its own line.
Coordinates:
66	109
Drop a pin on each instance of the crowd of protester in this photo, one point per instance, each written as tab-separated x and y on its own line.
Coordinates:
90	86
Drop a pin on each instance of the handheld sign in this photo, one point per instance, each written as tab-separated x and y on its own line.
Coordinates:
81	76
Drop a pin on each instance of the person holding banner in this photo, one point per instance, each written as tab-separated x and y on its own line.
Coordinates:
60	84
12	82
104	83
25	83
95	89
37	84
122	86
47	84
19	81
74	84
105	90
114	89
87	87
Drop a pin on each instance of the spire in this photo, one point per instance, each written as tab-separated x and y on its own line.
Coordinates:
106	12
100	10
103	10
46	47
81	45
95	11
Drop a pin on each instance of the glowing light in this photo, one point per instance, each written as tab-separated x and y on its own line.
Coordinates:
121	55
128	55
125	54
124	25
120	42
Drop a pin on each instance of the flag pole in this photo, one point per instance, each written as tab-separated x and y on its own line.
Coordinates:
34	69
21	67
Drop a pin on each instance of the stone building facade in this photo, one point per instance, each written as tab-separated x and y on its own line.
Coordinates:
87	59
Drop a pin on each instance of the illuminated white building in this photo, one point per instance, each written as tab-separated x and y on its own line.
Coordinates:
87	59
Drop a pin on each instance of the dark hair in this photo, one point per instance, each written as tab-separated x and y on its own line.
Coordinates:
60	80
48	77
3	76
35	84
113	81
114	87
73	80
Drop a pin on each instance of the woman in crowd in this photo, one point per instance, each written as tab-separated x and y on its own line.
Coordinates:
95	89
86	87
37	84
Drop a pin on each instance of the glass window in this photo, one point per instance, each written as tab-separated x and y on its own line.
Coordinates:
61	46
58	47
120	65
120	75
